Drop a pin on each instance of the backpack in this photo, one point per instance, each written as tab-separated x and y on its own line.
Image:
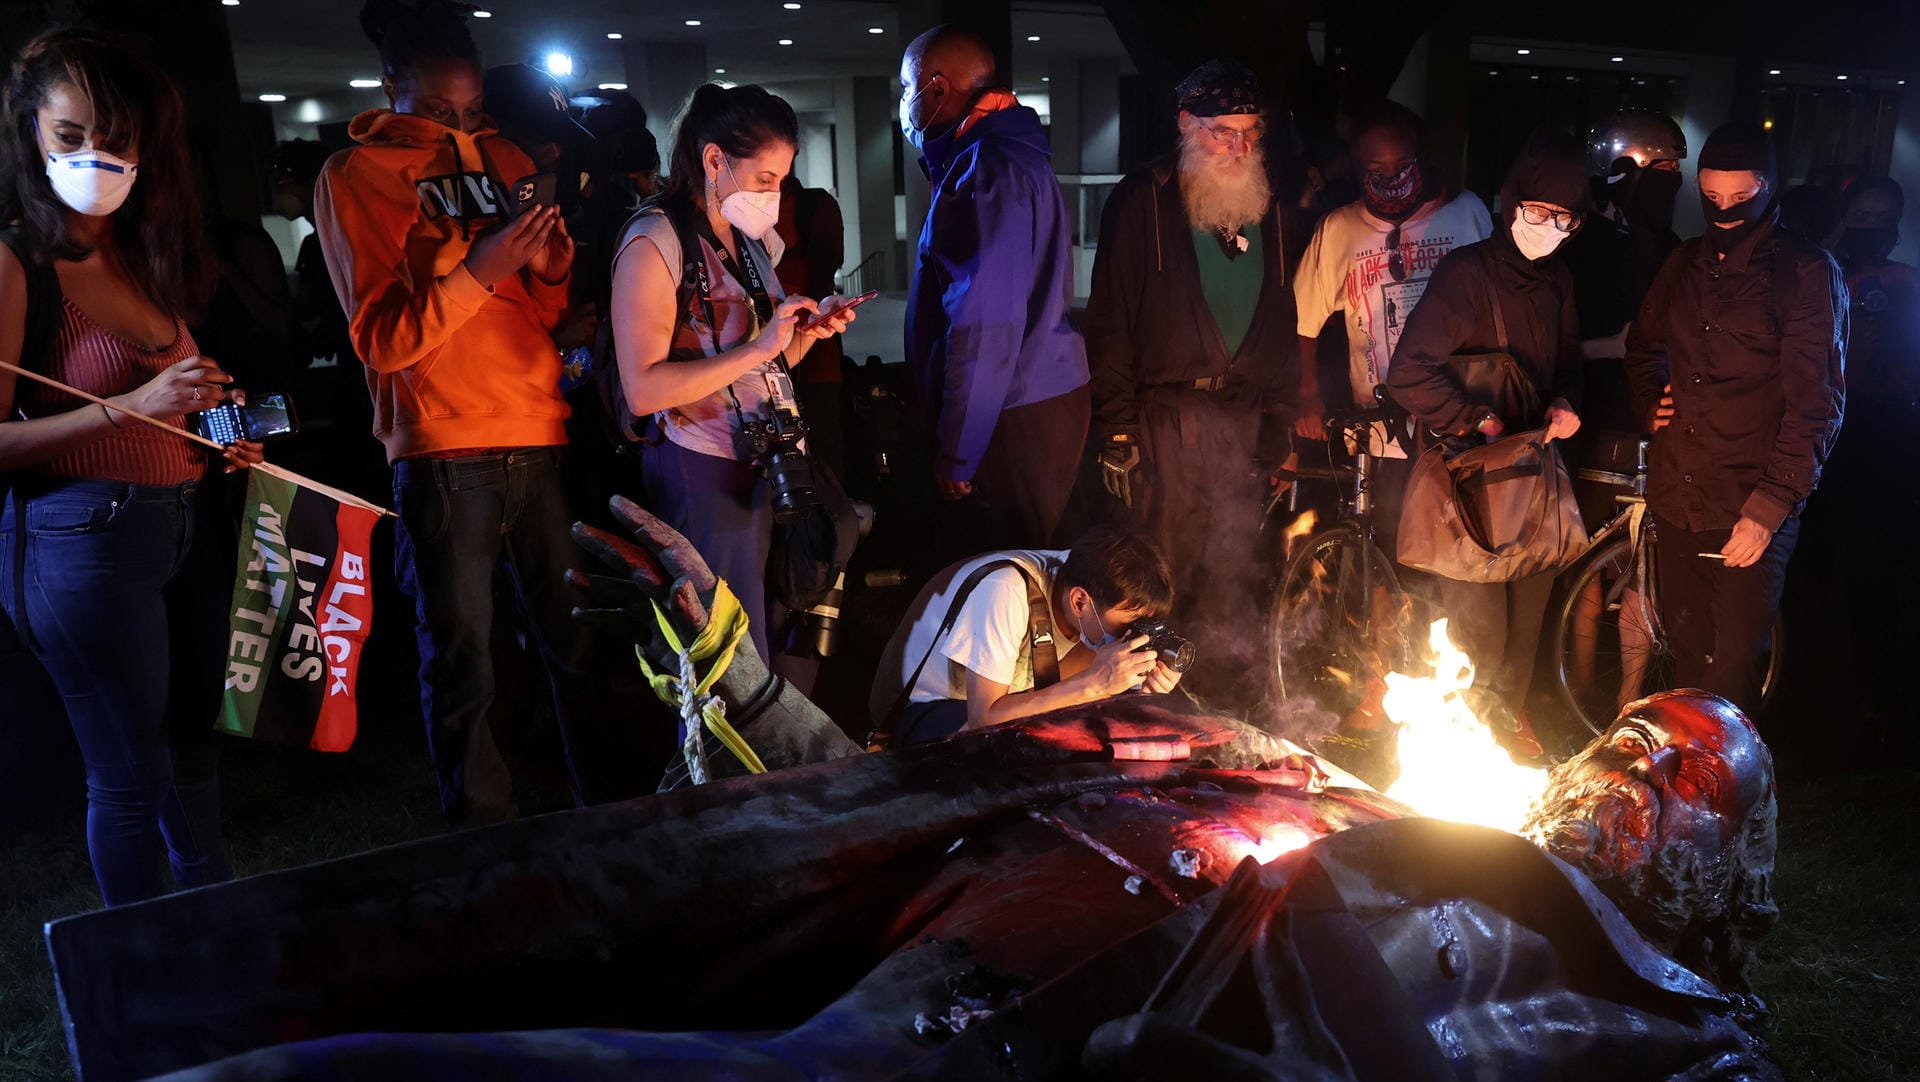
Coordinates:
619	424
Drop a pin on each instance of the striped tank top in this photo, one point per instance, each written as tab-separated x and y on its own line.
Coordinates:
96	360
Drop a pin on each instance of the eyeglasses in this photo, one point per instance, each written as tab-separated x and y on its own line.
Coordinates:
1396	263
1563	220
1227	137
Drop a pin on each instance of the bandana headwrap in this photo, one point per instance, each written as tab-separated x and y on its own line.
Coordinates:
1219	88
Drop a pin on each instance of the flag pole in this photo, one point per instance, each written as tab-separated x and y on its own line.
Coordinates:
268	468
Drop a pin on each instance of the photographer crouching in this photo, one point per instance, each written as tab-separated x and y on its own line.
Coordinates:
1011	634
704	337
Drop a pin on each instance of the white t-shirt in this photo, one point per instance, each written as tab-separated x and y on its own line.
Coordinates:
989	633
1345	269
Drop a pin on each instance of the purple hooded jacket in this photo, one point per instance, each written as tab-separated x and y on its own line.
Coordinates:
988	317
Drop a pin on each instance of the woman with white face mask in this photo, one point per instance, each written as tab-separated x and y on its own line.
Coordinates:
1512	294
703	358
115	561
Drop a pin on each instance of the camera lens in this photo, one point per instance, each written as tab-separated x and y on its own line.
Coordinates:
1178	658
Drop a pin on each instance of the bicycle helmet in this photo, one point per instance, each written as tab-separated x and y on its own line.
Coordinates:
1638	134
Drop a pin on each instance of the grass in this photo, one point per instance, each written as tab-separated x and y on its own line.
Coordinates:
1841	972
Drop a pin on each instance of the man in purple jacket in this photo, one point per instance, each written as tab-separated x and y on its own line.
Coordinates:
1000	373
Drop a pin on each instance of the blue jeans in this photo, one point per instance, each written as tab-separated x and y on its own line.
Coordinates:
726	509
121	592
458	518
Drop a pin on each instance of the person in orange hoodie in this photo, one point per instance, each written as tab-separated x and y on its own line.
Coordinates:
450	297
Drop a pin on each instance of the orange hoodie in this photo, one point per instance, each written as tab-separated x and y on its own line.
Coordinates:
451	365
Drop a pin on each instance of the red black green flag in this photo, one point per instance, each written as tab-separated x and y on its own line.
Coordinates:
302	606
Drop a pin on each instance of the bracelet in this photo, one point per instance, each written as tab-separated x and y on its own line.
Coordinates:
104	408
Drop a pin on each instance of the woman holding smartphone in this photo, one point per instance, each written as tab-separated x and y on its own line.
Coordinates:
703	371
114	563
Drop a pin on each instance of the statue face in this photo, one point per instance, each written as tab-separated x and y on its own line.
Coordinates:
1665	812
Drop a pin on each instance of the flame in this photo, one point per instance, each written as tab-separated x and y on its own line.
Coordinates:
1450	767
1298	529
1278	840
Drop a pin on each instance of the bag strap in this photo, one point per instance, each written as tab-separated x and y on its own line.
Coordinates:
1046	659
1536	510
43	299
1499	316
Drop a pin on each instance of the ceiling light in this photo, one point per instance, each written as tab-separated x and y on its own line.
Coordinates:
1536	77
363	84
1773	71
1524	52
1046	78
791	5
614	37
559	64
1033	37
784	41
876	30
693	22
230	3
1618	59
483	14
719	71
613	86
1842	78
272	98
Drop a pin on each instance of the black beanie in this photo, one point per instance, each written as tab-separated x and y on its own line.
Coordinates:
1739	145
1551	168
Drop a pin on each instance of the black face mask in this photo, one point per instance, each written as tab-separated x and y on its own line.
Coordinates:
1648	204
1749	214
1865	247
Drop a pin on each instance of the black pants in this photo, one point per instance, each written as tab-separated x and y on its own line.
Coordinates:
1498	625
924	723
1025	478
1719	619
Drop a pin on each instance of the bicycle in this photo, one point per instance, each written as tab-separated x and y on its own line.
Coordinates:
1606	643
1339	612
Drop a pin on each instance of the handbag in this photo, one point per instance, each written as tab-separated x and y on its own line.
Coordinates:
1493	513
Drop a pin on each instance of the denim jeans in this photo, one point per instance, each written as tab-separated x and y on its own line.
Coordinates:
726	509
121	592
458	518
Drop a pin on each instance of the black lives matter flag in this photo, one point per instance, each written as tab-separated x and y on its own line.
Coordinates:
302	606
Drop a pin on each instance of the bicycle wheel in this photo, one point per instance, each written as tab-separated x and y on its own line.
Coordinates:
1339	620
1607	645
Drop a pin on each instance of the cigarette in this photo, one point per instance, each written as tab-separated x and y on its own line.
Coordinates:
1710	555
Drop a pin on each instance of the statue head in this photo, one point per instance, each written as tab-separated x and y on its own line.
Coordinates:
1671	813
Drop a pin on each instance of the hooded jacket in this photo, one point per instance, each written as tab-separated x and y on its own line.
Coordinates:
451	364
1147	320
987	320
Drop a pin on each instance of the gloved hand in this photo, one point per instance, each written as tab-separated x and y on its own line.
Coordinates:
1119	458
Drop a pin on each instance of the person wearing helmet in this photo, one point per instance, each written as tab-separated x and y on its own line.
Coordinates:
1633	157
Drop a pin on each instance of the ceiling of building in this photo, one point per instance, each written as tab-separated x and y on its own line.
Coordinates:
315	47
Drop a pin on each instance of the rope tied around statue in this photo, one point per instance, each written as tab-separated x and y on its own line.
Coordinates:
691	693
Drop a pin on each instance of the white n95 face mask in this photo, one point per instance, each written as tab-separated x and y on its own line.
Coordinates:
752	213
92	182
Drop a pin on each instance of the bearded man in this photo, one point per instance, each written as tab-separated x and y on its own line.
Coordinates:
1190	341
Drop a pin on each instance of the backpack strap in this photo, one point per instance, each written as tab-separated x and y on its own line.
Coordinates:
43	299
1046	658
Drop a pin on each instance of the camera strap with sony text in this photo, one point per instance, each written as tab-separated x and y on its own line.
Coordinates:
1046	659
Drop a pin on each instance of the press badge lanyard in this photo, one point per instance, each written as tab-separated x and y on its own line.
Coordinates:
747	272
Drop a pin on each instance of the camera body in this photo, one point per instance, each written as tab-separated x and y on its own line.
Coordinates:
774	444
1175	652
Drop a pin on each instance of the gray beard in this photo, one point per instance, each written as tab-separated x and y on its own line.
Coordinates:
1221	194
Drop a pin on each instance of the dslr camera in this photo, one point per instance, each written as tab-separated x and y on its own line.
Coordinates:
1176	653
774	444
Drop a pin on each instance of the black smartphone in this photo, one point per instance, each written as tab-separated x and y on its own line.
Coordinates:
822	317
535	190
264	417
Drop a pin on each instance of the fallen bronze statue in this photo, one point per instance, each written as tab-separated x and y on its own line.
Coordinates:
1121	890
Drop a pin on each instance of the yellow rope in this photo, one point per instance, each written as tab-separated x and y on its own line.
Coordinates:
717	642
